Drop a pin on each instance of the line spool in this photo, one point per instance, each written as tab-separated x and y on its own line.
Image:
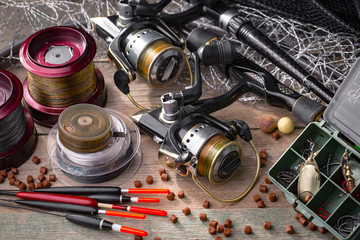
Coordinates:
17	131
61	72
90	144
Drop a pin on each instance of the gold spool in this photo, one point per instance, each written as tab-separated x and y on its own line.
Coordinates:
63	91
85	128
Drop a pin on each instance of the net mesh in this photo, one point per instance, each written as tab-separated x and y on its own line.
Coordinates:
327	55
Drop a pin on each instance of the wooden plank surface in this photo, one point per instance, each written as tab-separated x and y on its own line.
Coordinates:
21	224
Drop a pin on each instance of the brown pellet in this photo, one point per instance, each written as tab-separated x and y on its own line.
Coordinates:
31	186
186	211
43	170
165	177
267	180
267	225
161	171
29	179
2	178
138	237
263	188
149	179
220	228
262	155
206	204
12	181
213	223
181	194
52	177
22	186
322	230
35	159
311	226
256	197
290	229
203	216
262	150
15	170
46	183
11	175
247	230
17	183
41	178
275	135
157	238
39	185
303	221
260	204
3	173
298	216
228	223
218	238
262	163
212	230
227	232
173	218
307	198
272	197
170	196
137	183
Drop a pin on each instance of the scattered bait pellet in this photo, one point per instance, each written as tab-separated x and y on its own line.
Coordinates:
303	221
186	211
12	181
260	204
39	185
31	186
256	197
2	178
220	228
137	183
22	186
36	159
203	216
52	177
170	196
275	135
262	150
228	223
29	179
181	194
43	170
173	218
298	216
11	175
41	178
149	179
46	183
267	225
262	155
206	204
3	173
17	183
165	177
156	238
227	232
137	237
322	230
272	197
218	238
213	223
263	188
290	229
267	180
311	226
262	163
15	170
161	171
212	230
247	230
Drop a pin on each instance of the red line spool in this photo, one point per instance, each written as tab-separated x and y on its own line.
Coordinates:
61	72
17	142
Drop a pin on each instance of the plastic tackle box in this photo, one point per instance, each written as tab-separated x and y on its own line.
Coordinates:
338	132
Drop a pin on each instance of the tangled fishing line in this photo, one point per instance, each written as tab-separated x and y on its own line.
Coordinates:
326	55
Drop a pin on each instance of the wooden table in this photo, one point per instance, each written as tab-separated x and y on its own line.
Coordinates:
22	224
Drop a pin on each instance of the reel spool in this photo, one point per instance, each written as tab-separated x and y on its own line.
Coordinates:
92	145
61	72
17	131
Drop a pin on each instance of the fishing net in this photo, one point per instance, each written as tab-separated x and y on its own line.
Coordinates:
326	54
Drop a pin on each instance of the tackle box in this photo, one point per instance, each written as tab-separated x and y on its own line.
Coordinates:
338	132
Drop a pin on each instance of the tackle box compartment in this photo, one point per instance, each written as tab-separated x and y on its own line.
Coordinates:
339	131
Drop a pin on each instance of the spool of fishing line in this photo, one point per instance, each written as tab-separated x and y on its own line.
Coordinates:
17	131
61	72
92	145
